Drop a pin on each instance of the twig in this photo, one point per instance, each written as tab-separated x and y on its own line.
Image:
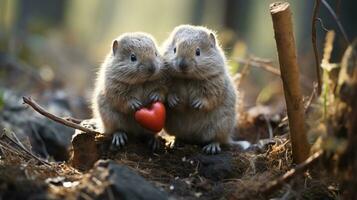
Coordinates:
5	144
260	60
279	182
244	72
322	24
311	97
338	22
285	42
270	129
306	106
4	135
74	120
266	66
17	139
53	117
314	45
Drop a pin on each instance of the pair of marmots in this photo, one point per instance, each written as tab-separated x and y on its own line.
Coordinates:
190	76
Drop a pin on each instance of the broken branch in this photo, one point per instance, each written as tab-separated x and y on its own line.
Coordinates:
285	42
53	117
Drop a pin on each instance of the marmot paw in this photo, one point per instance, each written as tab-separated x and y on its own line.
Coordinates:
197	104
172	100
135	104
154	143
119	140
154	97
212	148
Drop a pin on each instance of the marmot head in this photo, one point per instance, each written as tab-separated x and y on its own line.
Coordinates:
134	59
193	52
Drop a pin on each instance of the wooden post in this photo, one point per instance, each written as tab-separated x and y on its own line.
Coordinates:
285	42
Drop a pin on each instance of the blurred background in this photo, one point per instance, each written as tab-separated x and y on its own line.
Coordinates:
53	48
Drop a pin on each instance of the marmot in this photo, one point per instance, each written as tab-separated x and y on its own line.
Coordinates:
201	96
128	79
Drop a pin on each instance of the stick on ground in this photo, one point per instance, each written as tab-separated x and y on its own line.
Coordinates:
285	42
53	117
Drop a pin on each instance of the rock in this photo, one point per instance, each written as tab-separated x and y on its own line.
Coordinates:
120	182
214	167
48	138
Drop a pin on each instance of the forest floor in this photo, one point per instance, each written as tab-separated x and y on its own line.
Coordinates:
179	173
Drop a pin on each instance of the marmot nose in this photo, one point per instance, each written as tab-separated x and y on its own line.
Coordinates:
183	65
151	68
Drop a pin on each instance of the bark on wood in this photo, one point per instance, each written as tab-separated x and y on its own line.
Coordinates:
283	30
85	152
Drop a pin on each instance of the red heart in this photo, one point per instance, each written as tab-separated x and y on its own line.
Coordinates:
152	118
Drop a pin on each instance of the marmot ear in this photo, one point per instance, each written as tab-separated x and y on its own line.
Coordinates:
115	46
212	39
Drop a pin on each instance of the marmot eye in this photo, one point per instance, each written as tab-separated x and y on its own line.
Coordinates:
133	57
155	53
175	50
198	52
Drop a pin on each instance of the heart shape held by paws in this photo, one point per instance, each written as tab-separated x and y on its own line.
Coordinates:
153	117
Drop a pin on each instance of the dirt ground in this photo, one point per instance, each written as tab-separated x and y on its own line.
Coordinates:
183	172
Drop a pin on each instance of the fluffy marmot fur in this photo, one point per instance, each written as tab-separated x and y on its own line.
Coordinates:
201	96
128	79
